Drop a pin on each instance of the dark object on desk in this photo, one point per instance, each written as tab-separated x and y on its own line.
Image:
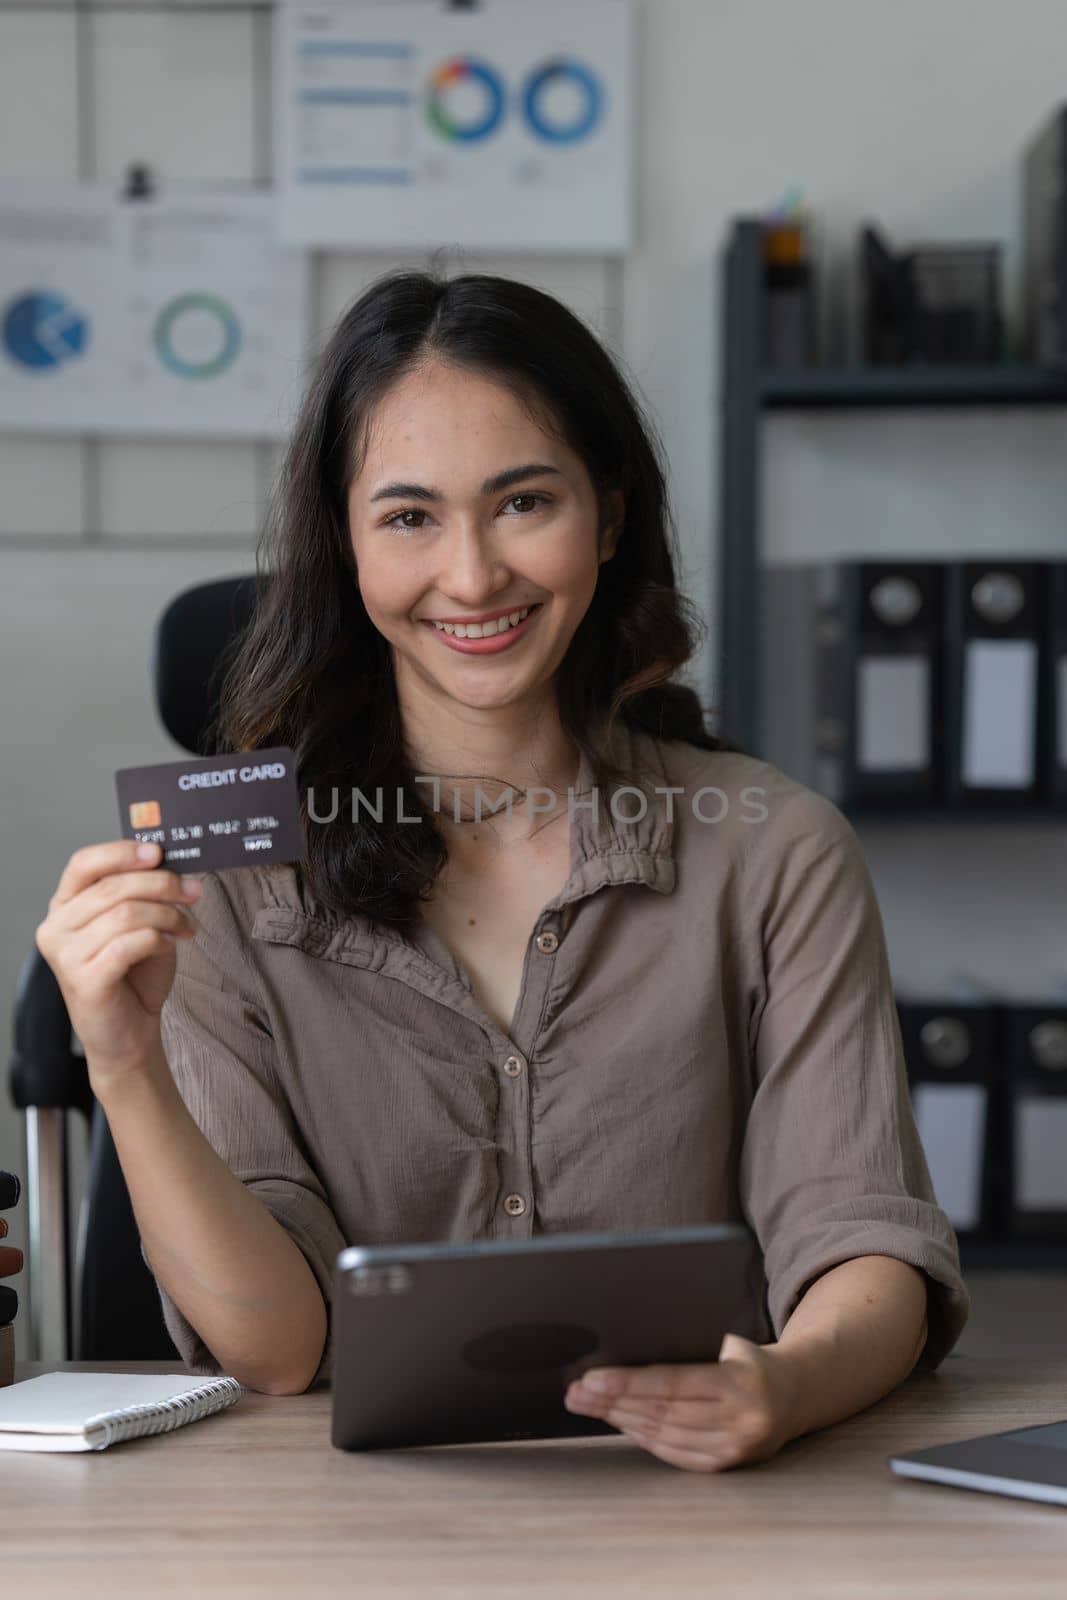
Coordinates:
788	297
1035	1056
935	304
10	1189
9	1304
852	679
1044	275
951	1051
996	682
1027	1463
462	1343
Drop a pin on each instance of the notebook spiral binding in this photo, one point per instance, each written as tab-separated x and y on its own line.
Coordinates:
161	1416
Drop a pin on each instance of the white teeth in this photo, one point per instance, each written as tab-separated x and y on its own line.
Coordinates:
486	630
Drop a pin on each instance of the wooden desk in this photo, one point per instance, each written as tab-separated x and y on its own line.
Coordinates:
256	1502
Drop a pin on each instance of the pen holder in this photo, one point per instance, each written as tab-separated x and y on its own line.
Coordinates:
939	304
788	336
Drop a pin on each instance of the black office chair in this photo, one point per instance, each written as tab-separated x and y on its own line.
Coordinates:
104	1305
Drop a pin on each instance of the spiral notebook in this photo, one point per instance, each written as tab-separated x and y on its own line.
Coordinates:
91	1410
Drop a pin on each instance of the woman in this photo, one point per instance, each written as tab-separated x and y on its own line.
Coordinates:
555	958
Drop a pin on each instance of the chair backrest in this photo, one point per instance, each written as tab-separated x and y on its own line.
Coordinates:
119	1316
191	648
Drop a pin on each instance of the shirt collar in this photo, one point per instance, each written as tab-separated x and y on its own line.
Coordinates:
608	847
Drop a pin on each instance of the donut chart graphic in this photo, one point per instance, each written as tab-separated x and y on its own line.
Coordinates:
465	72
536	100
42	330
197	336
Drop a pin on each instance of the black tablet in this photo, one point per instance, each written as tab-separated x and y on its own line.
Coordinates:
1027	1463
451	1343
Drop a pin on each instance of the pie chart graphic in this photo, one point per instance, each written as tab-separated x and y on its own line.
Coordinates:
197	336
43	331
563	101
466	100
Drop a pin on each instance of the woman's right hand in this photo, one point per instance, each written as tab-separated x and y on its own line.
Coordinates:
110	937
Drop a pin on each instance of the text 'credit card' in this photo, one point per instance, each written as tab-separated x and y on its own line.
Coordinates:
212	812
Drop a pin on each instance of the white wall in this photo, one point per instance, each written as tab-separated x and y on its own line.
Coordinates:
914	113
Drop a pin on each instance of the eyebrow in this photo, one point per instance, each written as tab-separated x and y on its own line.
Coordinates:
503	480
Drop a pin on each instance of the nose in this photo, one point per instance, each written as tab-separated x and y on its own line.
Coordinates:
471	571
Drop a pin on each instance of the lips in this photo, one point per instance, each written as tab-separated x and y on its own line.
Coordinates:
490	616
491	645
483	622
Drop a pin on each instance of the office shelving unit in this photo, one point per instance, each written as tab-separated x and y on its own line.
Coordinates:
749	389
1014	384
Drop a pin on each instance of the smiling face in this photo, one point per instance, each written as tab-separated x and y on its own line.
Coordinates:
467	507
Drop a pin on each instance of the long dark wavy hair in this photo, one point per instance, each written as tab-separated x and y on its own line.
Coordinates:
311	670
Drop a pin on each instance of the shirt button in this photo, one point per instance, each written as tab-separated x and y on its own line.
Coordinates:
547	942
513	1066
514	1205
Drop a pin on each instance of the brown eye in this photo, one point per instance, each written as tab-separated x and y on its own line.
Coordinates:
399	525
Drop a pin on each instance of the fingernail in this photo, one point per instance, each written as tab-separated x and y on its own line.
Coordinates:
147	852
598	1382
190	885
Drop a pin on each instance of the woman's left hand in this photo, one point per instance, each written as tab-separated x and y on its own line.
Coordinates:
704	1416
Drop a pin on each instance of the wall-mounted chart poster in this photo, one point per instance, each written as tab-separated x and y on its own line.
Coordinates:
415	123
180	314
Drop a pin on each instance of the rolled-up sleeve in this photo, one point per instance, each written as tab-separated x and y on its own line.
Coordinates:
220	1051
832	1167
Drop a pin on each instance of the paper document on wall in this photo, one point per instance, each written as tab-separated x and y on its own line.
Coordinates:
177	315
503	126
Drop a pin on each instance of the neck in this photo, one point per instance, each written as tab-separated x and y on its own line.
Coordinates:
496	749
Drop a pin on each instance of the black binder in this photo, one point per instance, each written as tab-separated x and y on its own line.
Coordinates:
995	673
952	1058
1036	1058
1056	687
1044	265
852	679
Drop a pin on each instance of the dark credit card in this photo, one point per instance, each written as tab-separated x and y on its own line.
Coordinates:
10	1189
211	812
9	1304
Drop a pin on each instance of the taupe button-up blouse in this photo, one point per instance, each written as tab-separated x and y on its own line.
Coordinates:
705	1032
